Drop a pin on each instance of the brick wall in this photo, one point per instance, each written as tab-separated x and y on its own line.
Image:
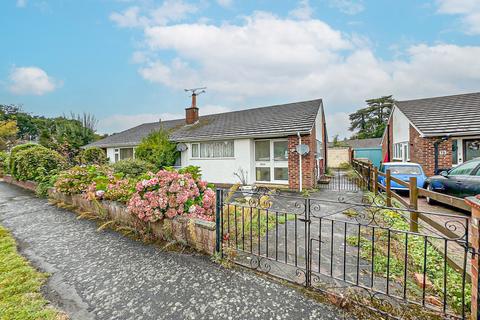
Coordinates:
422	151
309	165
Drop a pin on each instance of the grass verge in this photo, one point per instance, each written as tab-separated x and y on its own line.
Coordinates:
20	296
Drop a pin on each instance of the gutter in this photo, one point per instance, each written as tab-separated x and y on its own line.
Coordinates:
451	134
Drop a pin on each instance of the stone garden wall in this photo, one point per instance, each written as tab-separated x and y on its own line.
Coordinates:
29	185
196	233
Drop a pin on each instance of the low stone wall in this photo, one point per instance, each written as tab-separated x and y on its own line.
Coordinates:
29	185
196	233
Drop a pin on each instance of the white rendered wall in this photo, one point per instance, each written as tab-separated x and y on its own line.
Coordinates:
221	170
111	154
401	127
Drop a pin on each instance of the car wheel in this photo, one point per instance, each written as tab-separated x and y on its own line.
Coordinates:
430	200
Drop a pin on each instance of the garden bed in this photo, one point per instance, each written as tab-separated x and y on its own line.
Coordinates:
196	233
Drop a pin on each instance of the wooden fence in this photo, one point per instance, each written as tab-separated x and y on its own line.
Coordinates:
370	174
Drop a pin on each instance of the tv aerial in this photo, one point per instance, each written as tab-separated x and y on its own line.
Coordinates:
196	91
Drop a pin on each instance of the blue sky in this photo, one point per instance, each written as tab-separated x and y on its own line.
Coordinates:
128	61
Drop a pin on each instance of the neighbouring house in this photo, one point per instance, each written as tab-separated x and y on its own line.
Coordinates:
437	133
261	141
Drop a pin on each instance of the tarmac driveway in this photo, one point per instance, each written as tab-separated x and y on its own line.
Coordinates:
103	275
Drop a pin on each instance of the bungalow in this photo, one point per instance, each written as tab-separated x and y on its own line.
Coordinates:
263	142
437	133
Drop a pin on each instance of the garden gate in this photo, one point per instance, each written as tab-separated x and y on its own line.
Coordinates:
359	251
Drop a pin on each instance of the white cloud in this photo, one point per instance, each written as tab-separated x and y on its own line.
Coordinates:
130	18
31	80
338	123
120	122
272	59
225	3
269	56
468	9
169	11
303	12
350	7
21	3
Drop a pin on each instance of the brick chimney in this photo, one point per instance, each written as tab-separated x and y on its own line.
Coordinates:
191	113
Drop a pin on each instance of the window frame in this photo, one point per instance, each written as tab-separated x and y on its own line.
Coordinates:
117	153
271	163
199	152
398	151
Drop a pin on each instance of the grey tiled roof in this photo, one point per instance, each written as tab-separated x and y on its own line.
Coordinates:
272	121
453	115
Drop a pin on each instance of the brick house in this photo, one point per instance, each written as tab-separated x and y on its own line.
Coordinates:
262	142
438	133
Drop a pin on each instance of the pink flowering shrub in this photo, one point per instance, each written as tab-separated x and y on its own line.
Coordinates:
168	194
77	180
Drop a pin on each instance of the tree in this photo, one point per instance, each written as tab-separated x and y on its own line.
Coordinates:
370	121
156	148
8	133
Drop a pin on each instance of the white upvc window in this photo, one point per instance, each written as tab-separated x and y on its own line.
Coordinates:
271	160
124	153
401	151
213	149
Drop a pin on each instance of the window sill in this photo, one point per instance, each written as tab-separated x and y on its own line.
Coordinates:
224	158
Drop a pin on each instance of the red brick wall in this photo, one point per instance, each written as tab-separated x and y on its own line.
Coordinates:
422	151
191	115
309	165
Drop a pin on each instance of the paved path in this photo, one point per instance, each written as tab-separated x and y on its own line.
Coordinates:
103	275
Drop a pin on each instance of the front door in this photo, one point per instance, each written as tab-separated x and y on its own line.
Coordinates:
271	161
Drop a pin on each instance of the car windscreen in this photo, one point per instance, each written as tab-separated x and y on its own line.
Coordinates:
404	170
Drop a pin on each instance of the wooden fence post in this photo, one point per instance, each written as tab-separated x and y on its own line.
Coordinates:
413	204
388	185
474	202
375	181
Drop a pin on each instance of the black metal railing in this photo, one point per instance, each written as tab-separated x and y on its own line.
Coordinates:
339	245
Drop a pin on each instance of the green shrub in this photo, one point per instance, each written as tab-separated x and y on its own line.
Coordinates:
345	166
44	185
3	161
37	164
13	154
77	180
92	155
133	167
156	148
194	171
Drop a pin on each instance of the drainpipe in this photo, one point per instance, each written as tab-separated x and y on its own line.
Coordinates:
300	162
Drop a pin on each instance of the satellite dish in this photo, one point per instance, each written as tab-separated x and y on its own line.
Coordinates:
181	147
302	149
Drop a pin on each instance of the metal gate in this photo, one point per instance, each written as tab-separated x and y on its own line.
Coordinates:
356	249
342	180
